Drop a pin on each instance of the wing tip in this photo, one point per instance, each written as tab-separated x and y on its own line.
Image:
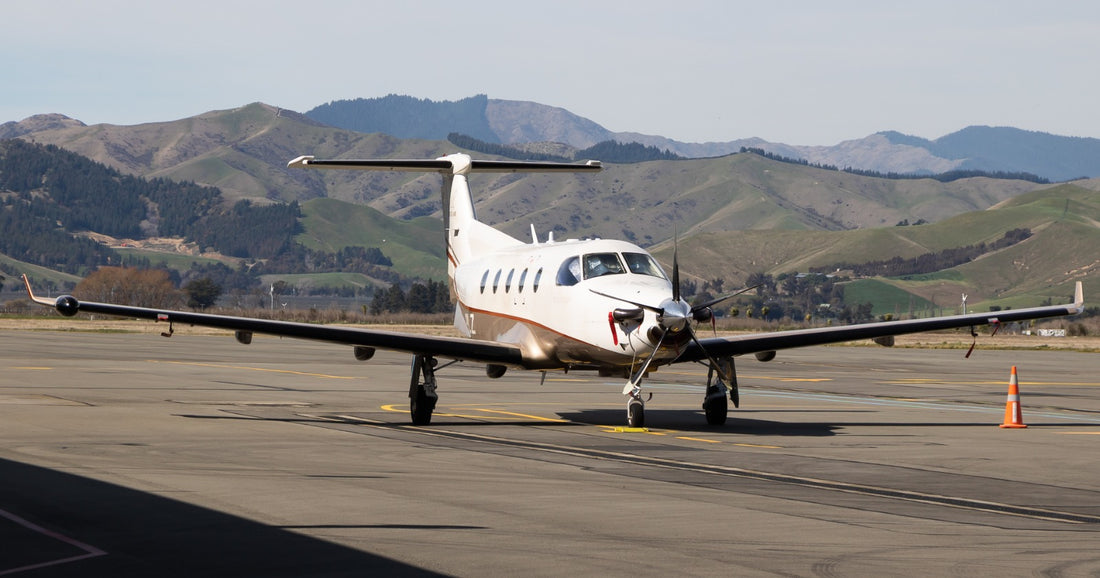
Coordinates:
30	293
300	162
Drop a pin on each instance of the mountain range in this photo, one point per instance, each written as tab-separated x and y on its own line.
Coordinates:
983	148
739	213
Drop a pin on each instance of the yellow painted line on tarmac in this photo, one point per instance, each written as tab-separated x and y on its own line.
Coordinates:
767	447
31	368
690	439
524	415
396	408
266	369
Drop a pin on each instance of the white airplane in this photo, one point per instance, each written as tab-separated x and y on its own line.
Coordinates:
599	305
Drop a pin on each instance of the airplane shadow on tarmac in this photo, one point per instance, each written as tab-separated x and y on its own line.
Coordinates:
109	530
693	421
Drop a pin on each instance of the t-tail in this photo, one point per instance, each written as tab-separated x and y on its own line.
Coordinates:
465	236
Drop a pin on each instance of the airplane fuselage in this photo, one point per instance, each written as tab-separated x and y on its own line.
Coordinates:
540	297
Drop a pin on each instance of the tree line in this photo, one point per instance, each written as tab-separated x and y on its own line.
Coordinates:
607	151
928	262
944	177
48	195
408	117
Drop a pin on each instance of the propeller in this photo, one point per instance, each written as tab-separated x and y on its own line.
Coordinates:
673	318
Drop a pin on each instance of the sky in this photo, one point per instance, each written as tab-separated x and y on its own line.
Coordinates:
793	72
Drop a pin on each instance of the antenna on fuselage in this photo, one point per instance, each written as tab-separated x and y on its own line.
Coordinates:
534	235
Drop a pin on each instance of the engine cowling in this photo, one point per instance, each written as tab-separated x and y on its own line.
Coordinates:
67	305
764	355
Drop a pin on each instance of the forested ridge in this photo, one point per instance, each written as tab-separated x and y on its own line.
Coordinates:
606	151
928	262
49	196
945	177
409	117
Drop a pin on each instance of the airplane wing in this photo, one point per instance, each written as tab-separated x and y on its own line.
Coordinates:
448	347
762	342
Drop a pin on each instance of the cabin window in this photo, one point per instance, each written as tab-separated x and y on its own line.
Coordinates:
538	277
496	280
600	264
522	280
569	273
643	264
484	280
508	281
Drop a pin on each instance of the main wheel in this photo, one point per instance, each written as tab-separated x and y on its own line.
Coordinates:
422	396
715	408
421	407
635	413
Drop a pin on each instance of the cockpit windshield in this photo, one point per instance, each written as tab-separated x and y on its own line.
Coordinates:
600	264
593	265
643	264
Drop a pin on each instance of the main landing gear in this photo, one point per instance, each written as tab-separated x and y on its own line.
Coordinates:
422	396
720	379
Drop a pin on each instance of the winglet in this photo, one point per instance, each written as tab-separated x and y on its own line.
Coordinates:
1079	298
30	293
300	162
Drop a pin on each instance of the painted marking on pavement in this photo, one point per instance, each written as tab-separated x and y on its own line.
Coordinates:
245	367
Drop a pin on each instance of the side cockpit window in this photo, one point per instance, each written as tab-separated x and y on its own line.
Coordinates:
569	273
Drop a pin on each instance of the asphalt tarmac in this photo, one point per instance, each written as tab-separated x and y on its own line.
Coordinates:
134	455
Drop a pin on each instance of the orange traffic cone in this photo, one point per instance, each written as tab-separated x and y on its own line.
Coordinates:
1013	417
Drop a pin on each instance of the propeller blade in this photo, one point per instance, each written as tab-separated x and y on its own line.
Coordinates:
641	371
675	271
713	302
713	362
634	303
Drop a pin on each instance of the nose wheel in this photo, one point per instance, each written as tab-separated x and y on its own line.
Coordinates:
635	412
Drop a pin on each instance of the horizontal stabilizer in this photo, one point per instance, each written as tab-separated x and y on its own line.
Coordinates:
457	164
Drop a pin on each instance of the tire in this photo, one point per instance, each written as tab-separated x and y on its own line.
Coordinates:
716	410
635	413
421	407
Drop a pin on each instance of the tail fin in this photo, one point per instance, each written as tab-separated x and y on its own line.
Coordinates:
466	237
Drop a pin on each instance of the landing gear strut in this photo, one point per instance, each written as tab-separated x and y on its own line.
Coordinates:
422	396
719	380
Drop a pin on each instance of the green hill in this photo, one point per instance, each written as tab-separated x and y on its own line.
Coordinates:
415	247
1064	247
